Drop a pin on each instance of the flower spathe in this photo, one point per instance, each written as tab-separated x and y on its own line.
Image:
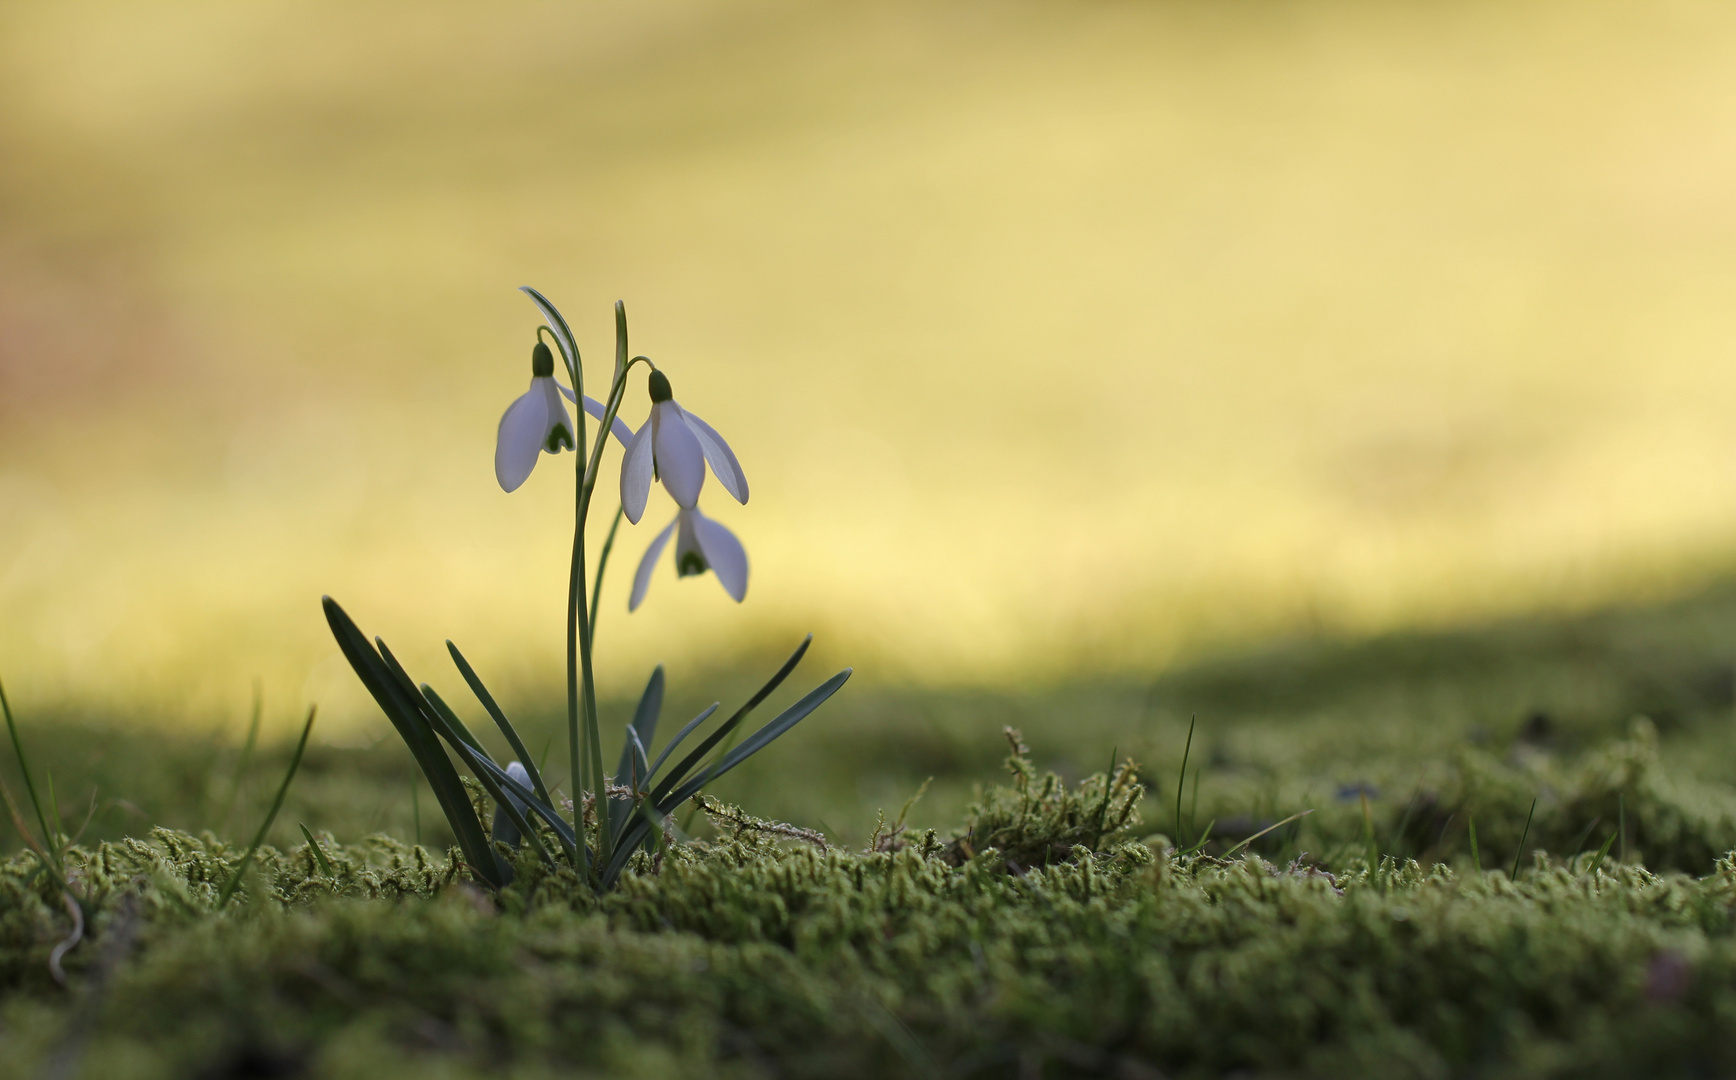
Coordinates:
538	422
701	544
674	445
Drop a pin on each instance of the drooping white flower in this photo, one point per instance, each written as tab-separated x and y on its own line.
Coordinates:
674	446
538	423
701	544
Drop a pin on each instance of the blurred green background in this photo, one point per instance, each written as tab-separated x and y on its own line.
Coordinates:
1064	344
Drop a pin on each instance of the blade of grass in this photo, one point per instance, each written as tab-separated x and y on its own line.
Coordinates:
1201	842
246	759
24	768
1584	834
49	866
1513	875
1293	817
1621	827
1368	835
1476	858
53	810
531	766
234	881
1103	808
1181	781
1601	852
319	855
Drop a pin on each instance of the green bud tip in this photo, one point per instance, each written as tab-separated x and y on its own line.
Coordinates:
542	362
691	562
659	387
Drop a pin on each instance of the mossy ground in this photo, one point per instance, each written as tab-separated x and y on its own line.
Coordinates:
1043	926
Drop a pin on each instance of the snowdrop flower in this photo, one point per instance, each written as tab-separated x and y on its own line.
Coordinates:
538	422
701	544
674	446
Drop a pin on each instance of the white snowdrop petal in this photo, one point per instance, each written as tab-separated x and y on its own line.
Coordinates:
721	457
519	439
556	412
680	461
619	429
636	474
648	563
724	553
687	543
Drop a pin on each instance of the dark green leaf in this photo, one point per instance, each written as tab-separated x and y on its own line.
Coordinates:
402	707
501	722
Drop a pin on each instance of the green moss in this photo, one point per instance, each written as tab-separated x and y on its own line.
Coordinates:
1043	926
756	955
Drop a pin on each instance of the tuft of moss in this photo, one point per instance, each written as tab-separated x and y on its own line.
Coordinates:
1039	941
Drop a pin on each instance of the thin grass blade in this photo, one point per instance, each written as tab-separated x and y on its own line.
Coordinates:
1601	852
319	855
24	768
1267	829
234	881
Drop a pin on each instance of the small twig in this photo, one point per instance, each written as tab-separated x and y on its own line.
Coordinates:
70	942
718	811
117	942
1263	832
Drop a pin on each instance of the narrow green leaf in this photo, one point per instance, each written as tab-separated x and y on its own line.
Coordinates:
447	725
234	881
246	758
603	556
698	754
501	722
1181	781
400	704
644	720
319	855
1513	875
679	735
24	768
563	335
562	827
756	742
1601	852
1267	829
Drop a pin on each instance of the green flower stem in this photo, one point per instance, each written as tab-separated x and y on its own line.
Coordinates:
602	563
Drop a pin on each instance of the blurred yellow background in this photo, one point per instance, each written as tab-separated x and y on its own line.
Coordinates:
1055	339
